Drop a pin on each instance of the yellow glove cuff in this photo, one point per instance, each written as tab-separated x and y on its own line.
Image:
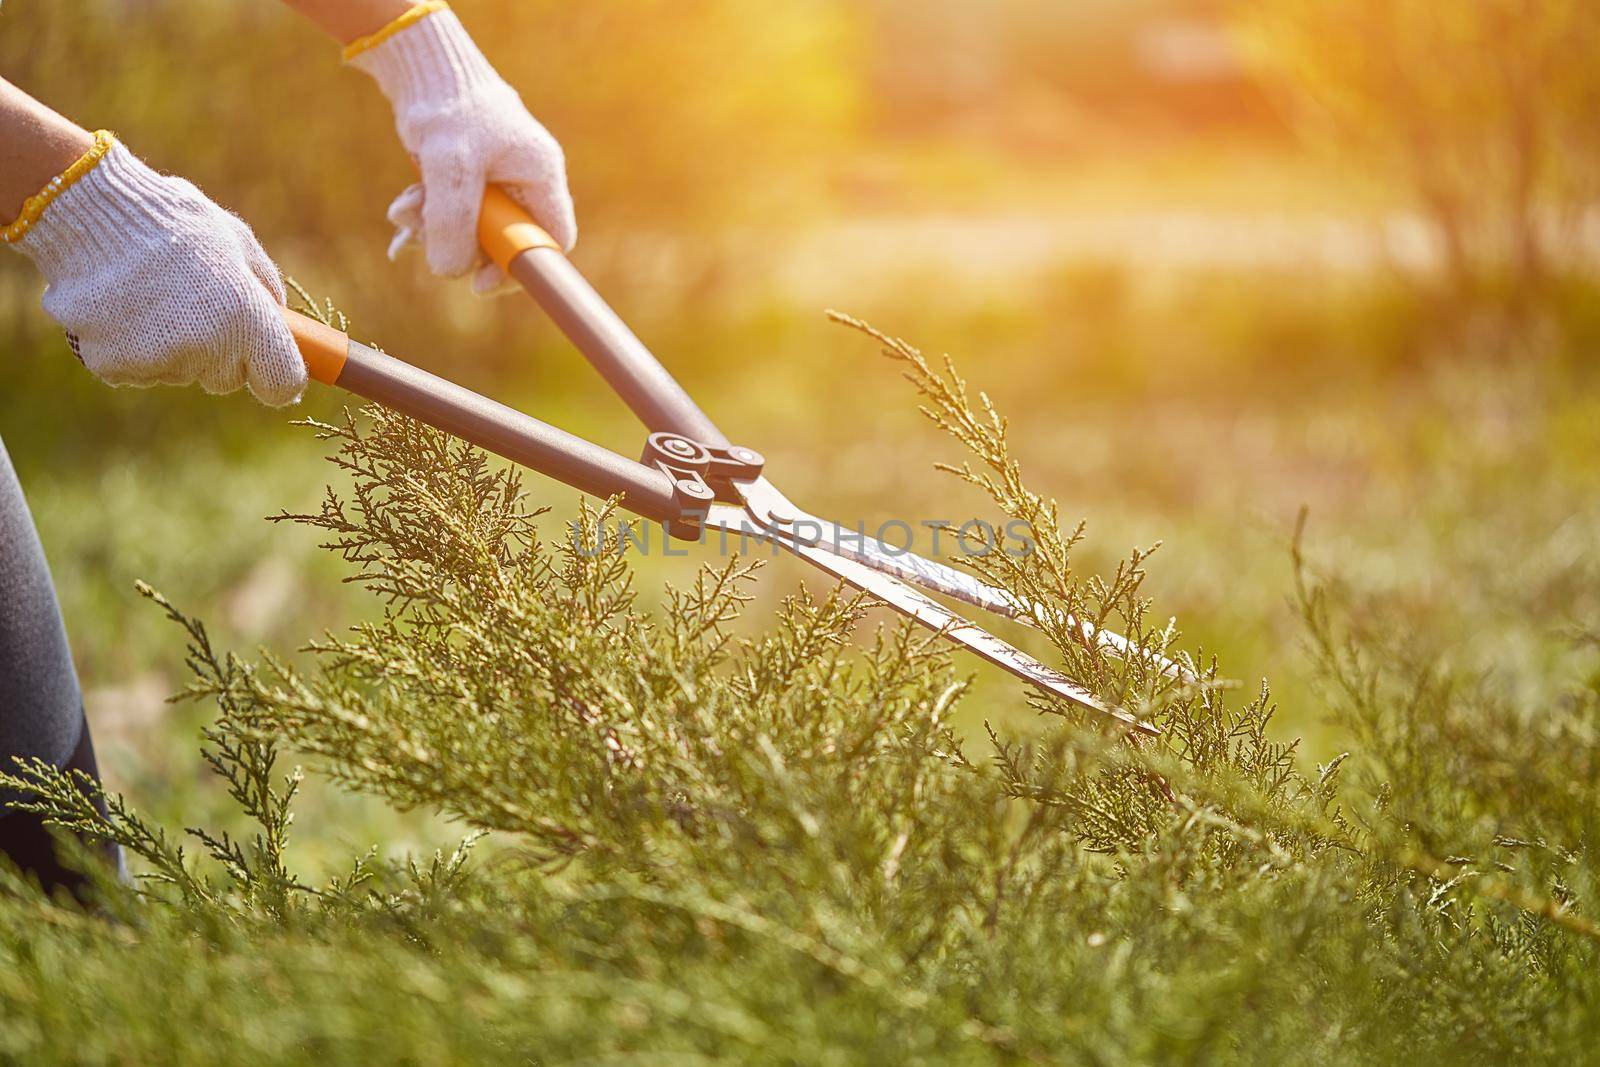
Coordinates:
410	18
34	206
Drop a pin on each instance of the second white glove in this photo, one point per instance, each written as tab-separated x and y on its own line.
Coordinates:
466	128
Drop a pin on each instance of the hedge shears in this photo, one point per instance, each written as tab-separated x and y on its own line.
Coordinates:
691	479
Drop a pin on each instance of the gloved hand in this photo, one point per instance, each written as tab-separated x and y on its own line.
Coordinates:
156	284
465	127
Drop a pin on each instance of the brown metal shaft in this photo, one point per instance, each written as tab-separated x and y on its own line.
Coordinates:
605	340
507	432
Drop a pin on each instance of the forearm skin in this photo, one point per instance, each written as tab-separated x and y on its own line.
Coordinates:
36	144
346	20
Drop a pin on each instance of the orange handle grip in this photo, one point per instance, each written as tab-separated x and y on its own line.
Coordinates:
322	347
505	231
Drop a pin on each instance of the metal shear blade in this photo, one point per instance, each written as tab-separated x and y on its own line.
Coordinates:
959	585
755	521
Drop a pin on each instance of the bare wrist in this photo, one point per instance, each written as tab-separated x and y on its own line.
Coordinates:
36	145
346	20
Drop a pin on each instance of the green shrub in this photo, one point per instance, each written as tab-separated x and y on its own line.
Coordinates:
775	848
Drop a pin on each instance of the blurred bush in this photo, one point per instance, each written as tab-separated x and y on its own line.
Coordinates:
1484	110
1043	78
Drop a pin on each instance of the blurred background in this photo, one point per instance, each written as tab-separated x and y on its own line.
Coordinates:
1217	261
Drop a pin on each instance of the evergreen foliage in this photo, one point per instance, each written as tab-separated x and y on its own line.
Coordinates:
776	848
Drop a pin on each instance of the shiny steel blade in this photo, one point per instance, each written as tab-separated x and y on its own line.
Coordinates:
967	588
732	521
937	617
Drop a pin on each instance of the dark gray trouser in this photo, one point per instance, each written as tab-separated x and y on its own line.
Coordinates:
41	708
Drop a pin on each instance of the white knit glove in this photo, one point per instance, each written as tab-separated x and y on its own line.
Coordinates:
465	127
155	284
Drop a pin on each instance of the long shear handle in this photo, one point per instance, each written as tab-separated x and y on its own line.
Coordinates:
334	359
528	254
535	261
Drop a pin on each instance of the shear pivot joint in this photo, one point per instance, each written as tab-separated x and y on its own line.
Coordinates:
701	474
